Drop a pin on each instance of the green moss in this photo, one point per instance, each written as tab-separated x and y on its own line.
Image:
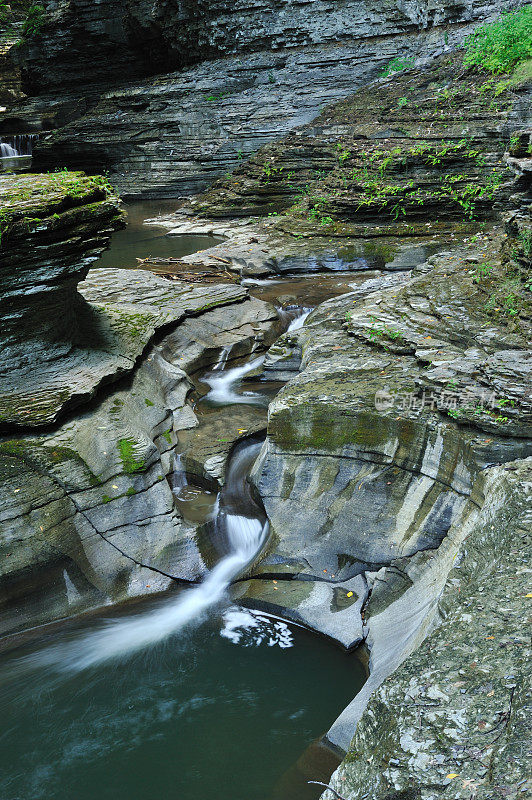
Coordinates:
106	498
327	427
148	402
38	456
131	491
126	448
168	435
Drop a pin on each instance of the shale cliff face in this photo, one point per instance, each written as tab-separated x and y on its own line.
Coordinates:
84	42
93	69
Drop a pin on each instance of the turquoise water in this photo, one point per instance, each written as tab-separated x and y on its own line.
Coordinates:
223	710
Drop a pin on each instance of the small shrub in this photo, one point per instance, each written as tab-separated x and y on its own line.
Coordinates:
499	46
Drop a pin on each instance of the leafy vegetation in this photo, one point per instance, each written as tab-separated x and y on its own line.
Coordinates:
398	64
500	46
34	22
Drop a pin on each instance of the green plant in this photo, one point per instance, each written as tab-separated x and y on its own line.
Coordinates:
34	22
483	271
403	101
499	46
343	153
398	64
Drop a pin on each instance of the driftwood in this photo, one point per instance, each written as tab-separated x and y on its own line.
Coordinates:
211	276
330	788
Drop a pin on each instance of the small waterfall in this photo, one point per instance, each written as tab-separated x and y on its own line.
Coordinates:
245	528
178	479
222	360
7	151
298	322
224	384
17	146
293	317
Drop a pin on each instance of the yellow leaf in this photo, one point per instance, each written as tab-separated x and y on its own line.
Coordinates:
529	594
350	594
451	775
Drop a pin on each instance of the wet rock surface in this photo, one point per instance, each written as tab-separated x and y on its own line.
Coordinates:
396	466
120	315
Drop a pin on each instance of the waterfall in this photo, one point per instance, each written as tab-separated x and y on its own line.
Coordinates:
244	527
7	151
19	145
222	360
224	384
299	320
178	479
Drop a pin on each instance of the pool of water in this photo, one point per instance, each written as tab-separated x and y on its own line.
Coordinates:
15	164
225	709
138	240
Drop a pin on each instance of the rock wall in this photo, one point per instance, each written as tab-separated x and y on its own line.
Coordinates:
173	134
84	42
453	718
87	515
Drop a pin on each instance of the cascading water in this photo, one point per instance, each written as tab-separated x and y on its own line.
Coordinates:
299	321
222	360
243	528
7	151
18	146
224	385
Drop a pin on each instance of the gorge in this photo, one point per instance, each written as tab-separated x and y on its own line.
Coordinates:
265	440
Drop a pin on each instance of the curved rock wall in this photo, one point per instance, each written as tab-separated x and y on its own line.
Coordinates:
87	516
174	134
84	42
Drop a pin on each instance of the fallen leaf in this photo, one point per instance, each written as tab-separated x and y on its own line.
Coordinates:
350	594
451	776
490	694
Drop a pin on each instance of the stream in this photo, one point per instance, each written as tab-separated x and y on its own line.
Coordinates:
187	696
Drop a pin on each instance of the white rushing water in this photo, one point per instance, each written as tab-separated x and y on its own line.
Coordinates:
298	322
7	151
243	535
225	382
18	146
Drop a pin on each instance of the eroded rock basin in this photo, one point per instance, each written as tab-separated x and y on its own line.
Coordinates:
229	709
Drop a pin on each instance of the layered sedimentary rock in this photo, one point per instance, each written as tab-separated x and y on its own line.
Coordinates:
88	515
404	396
174	133
453	718
378	472
52	228
409	154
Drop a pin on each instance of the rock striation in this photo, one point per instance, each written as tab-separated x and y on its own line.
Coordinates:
244	78
88	515
453	717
